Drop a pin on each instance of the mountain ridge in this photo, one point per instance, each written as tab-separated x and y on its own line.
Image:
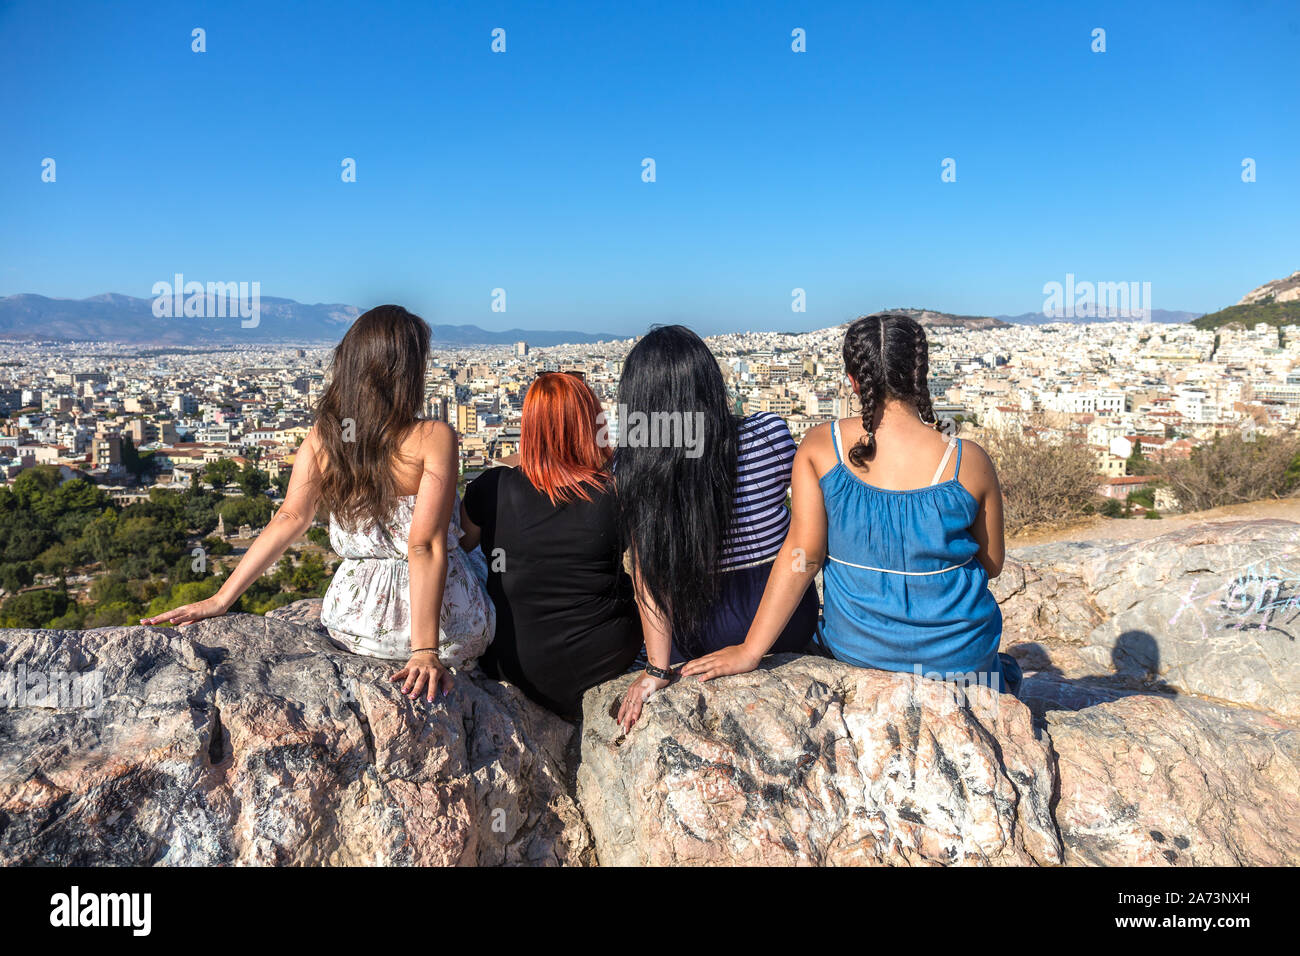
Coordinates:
114	317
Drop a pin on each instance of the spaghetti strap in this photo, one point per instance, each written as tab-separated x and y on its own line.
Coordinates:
835	439
943	462
956	469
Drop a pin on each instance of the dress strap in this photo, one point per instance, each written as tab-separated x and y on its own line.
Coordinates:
835	439
956	469
943	462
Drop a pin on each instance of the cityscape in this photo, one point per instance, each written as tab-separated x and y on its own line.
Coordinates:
136	420
85	407
1163	387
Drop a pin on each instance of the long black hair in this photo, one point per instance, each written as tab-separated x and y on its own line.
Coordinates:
888	356
675	503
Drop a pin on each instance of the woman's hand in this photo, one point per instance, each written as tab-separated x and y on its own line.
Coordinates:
424	673
189	613
638	692
730	660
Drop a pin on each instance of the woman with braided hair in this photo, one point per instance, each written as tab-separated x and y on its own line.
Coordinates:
906	522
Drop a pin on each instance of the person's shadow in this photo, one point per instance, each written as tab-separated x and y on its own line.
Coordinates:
1135	657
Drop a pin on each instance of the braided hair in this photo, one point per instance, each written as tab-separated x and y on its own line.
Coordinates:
888	356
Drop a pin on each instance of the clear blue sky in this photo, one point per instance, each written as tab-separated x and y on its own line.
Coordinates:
775	170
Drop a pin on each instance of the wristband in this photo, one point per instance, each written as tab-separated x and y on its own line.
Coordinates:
417	650
663	673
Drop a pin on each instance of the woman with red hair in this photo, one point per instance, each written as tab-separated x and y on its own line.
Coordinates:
566	615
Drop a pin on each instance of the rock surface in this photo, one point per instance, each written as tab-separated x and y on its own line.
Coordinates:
810	761
1153	780
252	741
1158	724
1212	610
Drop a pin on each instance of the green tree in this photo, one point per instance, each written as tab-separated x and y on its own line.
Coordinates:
311	577
16	575
254	512
253	480
33	608
220	473
1136	463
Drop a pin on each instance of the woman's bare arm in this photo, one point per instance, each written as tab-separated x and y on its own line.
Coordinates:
290	522
658	635
980	478
427	544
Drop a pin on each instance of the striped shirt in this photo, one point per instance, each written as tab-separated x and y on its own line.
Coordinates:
760	519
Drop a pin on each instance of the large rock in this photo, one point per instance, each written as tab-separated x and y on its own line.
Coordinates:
1154	780
1158	724
250	740
810	761
1212	610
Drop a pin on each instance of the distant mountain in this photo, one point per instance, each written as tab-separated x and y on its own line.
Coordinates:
1157	315
930	319
121	318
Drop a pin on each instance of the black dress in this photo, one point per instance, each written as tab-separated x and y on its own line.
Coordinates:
566	615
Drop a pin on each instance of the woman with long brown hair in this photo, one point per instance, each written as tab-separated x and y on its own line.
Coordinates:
566	617
387	479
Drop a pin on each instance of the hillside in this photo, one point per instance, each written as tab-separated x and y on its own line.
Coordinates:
1269	312
1277	290
1164	316
1275	303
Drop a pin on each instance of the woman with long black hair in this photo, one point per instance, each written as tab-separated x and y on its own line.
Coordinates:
702	497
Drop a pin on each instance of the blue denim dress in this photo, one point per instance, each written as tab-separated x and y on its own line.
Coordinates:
902	586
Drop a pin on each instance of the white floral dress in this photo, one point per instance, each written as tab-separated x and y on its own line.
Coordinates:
367	608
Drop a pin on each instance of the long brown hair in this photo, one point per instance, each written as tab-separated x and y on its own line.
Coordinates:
373	399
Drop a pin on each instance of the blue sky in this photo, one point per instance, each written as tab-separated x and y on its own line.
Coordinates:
775	170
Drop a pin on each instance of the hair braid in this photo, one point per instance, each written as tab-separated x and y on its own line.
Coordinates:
863	360
888	356
920	379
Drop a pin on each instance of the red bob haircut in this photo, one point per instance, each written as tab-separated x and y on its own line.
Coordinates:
559	450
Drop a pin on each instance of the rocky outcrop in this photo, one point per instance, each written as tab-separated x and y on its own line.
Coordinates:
1212	610
252	741
1156	780
1279	290
810	761
1157	725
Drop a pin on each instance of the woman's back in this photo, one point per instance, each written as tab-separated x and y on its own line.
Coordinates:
566	617
558	560
903	586
367	607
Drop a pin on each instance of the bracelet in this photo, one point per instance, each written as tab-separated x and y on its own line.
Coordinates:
663	673
417	650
